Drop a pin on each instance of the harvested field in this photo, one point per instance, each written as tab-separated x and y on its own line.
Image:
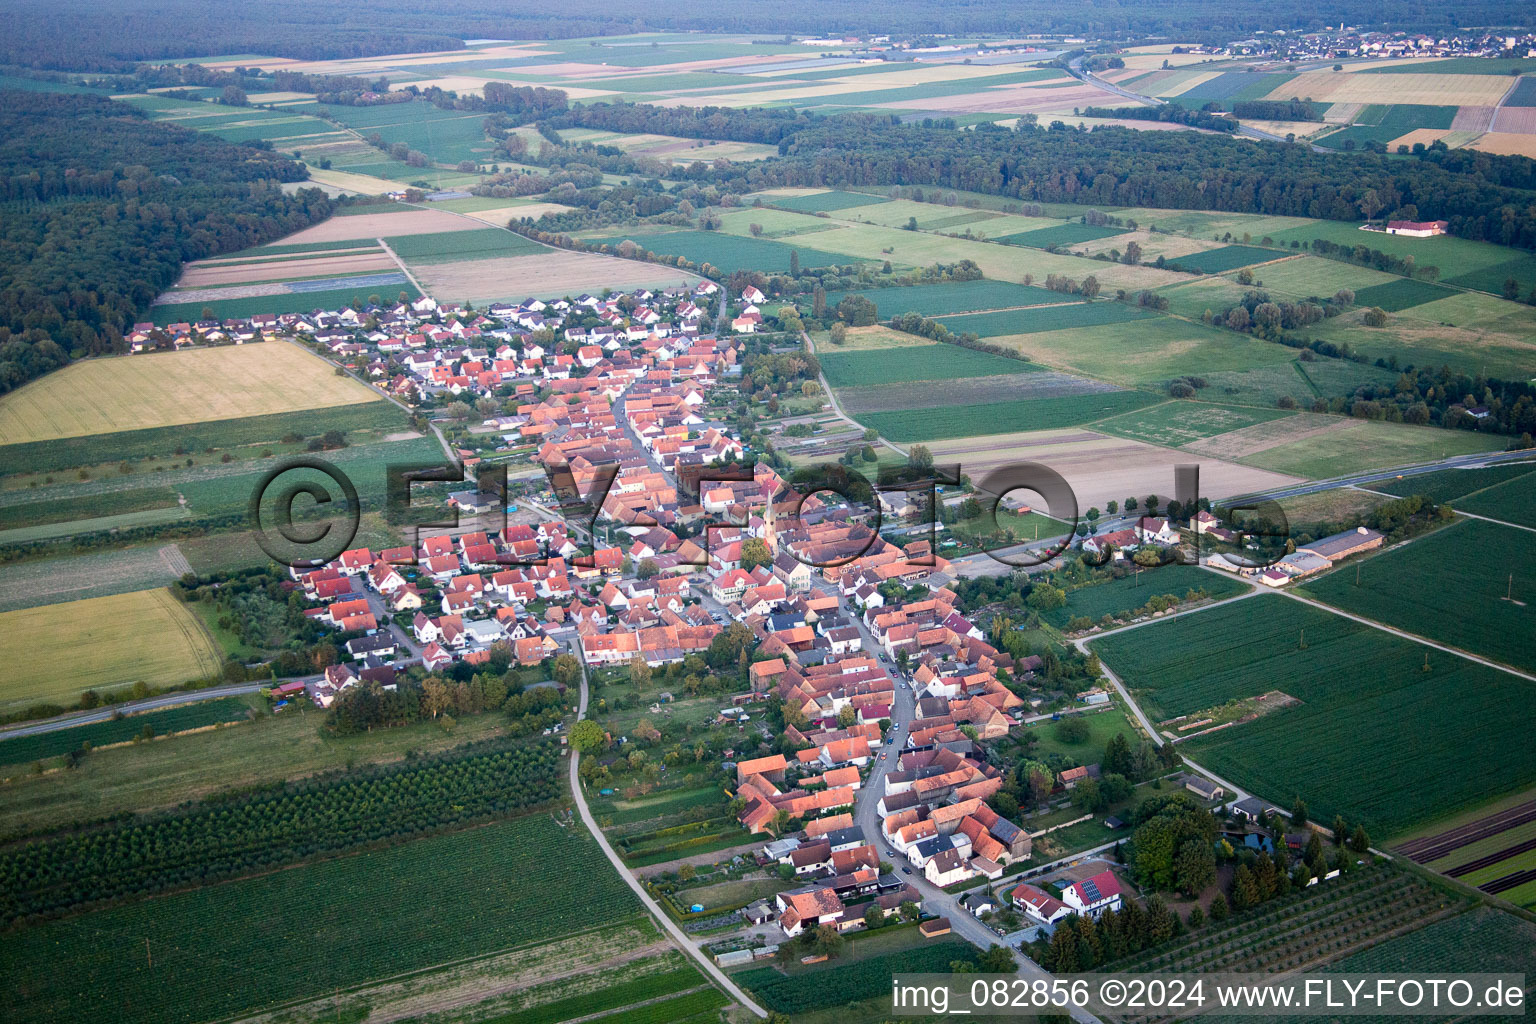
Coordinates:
376	225
362	184
1239	444
500	216
1506	145
1422	137
1101	468
170	388
1007	100
1420	89
201	275
967	391
557	272
58	651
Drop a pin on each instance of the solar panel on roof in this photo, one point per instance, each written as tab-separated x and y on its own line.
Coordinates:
1091	891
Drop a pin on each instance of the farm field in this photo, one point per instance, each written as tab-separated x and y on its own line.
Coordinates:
1454	484
33	457
102	643
451	246
913	363
1454	560
1310	512
1045	318
1228	257
1147	351
830	984
281	298
1364	695
1369	444
1118	598
1470	332
962	391
876	337
381	913
728	253
170	388
550	272
1003	417
1491	851
1101	468
1396	296
166	722
1177	423
825	202
933	300
1482	939
997	262
1059	235
1306	276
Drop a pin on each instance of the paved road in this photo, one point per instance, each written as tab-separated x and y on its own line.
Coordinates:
677	934
1379	475
867	817
131	706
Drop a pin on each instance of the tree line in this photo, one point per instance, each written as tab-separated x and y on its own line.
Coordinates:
102	207
227	838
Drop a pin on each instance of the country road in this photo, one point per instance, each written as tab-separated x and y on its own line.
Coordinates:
678	936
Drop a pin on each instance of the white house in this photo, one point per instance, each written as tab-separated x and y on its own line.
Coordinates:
1093	896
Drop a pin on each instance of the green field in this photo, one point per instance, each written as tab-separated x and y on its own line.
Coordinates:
730	253
1480	940
1505	492
283	302
1152	351
1061	234
1396	121
1401	294
1046	318
931	300
825	202
66	453
1369	444
22	749
1177	423
1366	702
913	363
1003	417
451	246
1450	587
1120	597
1228	257
378	914
832	983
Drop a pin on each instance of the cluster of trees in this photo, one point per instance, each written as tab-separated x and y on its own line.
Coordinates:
365	707
768	125
104	206
1365	256
1170	113
226	838
1481	196
1293	109
340	90
79	34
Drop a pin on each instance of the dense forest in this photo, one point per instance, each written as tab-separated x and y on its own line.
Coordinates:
85	35
99	207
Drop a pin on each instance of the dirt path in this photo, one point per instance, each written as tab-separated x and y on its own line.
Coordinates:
401	264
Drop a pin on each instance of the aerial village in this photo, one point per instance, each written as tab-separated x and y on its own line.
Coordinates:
888	693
